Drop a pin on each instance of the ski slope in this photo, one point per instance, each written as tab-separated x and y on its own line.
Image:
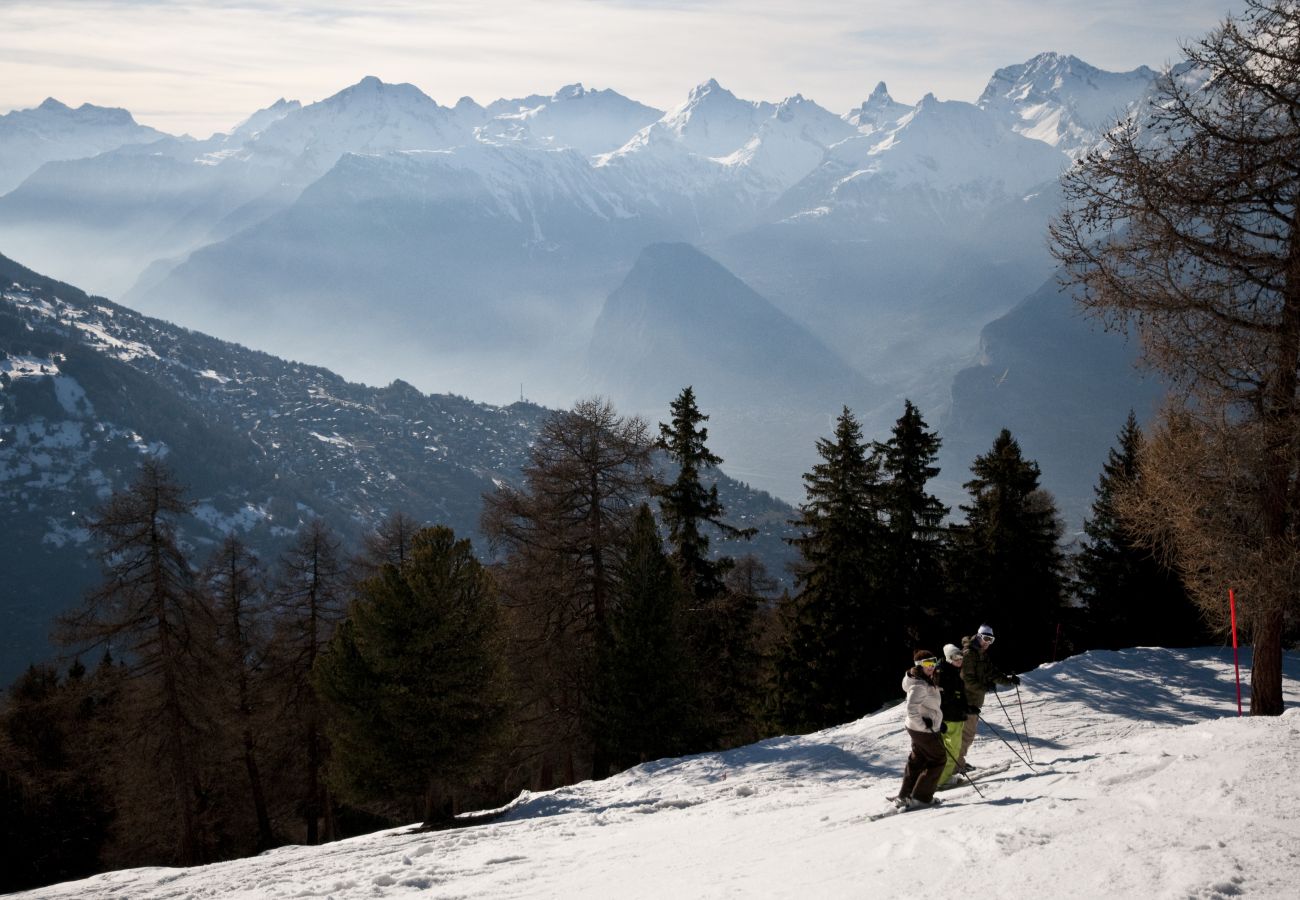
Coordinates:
1147	785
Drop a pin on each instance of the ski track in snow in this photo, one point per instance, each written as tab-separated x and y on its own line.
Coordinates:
1147	785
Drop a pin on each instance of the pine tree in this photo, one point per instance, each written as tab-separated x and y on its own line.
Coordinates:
644	702
718	630
1132	598
914	545
147	610
687	506
830	669
413	681
1009	565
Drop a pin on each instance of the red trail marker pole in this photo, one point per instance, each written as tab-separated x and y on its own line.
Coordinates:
1232	604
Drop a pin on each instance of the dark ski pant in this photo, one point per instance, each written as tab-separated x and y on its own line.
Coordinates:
924	766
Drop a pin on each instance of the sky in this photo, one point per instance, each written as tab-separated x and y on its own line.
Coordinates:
1128	774
199	67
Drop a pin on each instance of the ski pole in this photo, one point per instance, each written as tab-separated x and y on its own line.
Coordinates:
958	768
1019	740
999	736
1023	724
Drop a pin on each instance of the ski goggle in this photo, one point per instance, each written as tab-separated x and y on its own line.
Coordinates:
986	638
929	663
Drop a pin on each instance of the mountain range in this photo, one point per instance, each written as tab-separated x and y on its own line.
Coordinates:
262	445
494	250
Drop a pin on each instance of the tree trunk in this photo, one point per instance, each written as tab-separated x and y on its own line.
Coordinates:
1266	667
265	839
311	808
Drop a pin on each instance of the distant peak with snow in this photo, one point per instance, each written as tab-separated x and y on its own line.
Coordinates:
1062	100
878	110
264	118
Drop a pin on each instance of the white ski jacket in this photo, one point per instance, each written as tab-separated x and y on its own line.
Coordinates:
922	703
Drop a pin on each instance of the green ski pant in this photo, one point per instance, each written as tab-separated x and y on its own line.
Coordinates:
951	749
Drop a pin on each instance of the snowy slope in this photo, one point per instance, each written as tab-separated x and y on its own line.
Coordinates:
1145	784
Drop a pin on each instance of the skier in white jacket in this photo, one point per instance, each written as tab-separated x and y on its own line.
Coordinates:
925	726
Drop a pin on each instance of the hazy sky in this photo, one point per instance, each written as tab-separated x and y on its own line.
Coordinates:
181	65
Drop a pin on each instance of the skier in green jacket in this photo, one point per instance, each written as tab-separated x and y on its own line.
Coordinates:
978	674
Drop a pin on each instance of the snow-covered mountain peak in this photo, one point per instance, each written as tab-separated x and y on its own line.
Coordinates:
712	121
790	143
878	111
946	145
589	121
54	131
569	91
1062	100
370	116
264	118
372	90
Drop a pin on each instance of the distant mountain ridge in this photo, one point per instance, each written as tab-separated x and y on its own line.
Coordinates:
263	444
472	248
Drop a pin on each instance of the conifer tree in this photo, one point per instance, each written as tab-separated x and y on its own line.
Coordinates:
1133	599
830	667
687	506
148	612
1009	564
719	630
644	702
413	681
56	809
914	542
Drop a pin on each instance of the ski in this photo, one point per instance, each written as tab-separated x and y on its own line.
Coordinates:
977	775
895	810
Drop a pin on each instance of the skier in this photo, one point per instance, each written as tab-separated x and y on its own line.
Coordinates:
953	701
924	725
978	675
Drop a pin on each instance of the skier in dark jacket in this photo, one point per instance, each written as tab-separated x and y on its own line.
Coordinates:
925	727
978	674
953	701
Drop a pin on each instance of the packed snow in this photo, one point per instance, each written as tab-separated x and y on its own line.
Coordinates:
1144	783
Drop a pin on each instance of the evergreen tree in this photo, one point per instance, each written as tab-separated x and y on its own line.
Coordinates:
309	602
687	506
1132	598
830	668
55	805
1010	567
414	680
914	544
747	605
148	611
643	705
718	628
